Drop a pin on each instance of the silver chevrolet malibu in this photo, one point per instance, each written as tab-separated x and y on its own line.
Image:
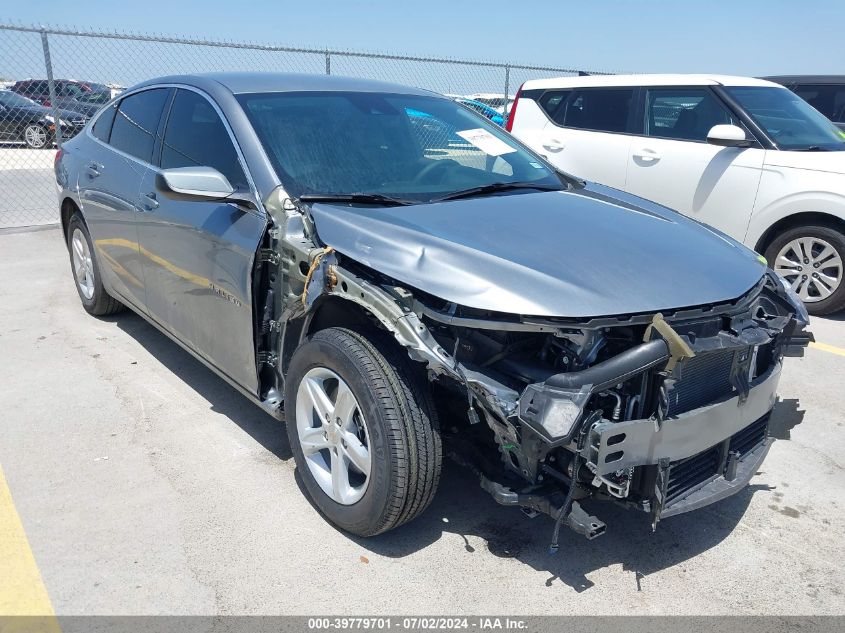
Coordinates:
398	278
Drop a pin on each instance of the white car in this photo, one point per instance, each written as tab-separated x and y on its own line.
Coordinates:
745	156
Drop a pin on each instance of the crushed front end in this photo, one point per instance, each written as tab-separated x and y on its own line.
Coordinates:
663	413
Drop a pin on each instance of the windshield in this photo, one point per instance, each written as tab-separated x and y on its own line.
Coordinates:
11	99
791	122
94	97
416	148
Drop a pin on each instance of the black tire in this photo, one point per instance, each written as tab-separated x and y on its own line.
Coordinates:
833	236
48	140
100	303
404	440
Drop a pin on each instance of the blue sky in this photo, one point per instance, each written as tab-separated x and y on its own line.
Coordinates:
752	37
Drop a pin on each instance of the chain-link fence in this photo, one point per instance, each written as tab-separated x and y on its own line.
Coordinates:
52	80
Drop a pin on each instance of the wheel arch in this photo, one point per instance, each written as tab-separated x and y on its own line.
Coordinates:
794	220
67	209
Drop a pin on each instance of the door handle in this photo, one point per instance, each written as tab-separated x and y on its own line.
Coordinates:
647	154
554	145
149	201
93	170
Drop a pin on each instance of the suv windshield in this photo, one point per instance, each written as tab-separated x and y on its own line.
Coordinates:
408	147
791	122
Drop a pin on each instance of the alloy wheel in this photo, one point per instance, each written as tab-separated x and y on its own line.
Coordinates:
812	267
333	435
35	136
83	266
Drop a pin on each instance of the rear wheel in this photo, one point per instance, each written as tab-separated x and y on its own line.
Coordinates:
36	136
86	271
363	430
810	258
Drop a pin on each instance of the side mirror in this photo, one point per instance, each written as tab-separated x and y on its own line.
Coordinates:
199	184
728	136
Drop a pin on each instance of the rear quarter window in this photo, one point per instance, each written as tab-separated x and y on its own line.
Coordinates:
596	109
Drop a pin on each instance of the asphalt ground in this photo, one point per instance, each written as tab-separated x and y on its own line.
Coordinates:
134	481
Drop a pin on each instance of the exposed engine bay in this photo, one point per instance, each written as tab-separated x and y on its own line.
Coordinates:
663	412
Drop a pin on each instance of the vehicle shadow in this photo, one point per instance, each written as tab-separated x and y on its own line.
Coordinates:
463	509
222	397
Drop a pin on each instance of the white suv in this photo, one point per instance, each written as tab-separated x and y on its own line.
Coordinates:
745	156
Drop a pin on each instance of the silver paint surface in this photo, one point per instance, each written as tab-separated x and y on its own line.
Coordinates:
584	253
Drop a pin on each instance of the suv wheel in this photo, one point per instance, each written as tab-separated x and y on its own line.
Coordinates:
810	258
363	431
36	136
86	271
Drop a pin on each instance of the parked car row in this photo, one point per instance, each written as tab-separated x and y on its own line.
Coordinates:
27	111
365	260
745	156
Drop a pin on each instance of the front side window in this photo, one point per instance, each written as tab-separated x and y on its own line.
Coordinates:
791	122
827	99
136	122
196	136
597	109
417	148
684	113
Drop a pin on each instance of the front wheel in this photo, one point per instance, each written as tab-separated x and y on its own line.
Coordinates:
36	136
810	259
363	430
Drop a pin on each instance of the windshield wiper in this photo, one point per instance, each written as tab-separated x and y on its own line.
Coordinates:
360	198
496	187
812	148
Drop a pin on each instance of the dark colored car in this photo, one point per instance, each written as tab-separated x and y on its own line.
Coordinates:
397	296
826	93
67	90
89	103
24	120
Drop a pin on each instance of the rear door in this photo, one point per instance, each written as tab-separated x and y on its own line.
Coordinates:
109	183
588	132
198	255
672	163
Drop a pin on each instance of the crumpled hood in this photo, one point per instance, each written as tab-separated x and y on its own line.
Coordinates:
582	253
831	162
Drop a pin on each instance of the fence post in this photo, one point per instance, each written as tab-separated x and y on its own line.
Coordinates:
51	85
328	63
507	90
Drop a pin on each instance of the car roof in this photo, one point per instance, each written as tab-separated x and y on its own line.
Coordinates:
246	82
807	79
644	80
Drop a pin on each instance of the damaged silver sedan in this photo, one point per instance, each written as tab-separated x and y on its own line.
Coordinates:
400	280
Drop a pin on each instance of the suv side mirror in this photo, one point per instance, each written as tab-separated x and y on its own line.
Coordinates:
199	184
728	136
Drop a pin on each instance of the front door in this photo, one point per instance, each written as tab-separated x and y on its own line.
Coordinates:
199	256
673	164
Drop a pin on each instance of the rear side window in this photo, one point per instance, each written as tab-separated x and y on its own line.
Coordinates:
136	122
684	113
598	109
102	126
196	136
829	100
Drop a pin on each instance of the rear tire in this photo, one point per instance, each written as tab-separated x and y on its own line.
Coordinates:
86	271
811	258
397	424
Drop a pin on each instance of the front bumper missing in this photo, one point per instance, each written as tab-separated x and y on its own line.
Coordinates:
613	446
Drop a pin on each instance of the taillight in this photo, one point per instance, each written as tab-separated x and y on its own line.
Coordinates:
512	114
58	157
